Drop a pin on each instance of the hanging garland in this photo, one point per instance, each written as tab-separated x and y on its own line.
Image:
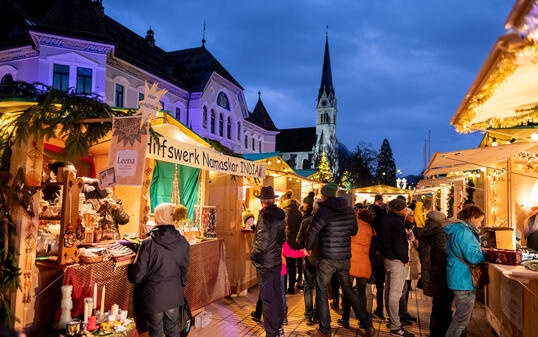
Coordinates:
9	270
438	200
450	210
57	114
470	191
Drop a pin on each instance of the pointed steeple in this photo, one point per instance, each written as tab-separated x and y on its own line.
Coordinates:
261	117
326	76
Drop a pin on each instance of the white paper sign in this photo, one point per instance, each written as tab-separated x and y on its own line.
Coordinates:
125	163
107	178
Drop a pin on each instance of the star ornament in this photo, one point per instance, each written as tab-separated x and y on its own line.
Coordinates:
151	103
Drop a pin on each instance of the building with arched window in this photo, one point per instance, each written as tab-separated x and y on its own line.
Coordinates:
94	54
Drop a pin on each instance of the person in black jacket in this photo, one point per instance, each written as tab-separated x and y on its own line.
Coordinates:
293	221
266	255
310	266
333	225
432	253
161	268
395	249
379	210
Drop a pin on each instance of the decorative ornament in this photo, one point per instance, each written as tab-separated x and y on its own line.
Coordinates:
128	130
22	194
69	238
151	103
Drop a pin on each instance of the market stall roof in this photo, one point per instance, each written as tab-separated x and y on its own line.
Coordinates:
8	105
260	156
508	135
474	159
436	182
307	173
381	189
504	92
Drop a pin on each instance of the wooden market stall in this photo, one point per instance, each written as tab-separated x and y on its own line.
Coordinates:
502	103
36	304
367	194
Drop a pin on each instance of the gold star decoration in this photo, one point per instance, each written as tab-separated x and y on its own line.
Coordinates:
151	103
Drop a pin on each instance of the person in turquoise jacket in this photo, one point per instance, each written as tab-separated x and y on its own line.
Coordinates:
463	242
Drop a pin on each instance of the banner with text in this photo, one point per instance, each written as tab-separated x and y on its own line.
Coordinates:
127	150
173	151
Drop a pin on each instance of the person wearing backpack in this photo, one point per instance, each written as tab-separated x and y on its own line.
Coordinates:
463	249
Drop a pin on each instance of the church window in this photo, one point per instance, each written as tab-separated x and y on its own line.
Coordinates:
60	77
306	164
178	114
253	144
140	96
222	101
7	79
238	131
246	142
259	146
221	126
84	80
229	128
212	121
327	120
204	118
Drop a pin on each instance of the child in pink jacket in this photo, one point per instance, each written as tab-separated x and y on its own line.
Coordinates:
287	252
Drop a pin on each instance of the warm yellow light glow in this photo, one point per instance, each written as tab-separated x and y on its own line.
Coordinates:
269	162
278	161
478	175
534	136
534	195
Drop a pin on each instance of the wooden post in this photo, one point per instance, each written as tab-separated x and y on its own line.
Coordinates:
23	301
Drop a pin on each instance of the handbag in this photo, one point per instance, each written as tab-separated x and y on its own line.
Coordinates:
479	273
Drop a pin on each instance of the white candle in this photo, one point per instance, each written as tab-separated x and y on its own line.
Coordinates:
95	296
115	309
102	303
88	305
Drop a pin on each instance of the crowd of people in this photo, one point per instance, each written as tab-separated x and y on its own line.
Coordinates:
350	251
330	250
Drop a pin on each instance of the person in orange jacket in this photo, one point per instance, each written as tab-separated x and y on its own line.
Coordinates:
360	267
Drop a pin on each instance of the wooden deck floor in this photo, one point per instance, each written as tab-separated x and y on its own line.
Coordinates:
231	317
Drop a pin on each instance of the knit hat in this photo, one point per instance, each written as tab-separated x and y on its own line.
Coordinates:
286	196
397	204
378	197
309	199
164	214
329	190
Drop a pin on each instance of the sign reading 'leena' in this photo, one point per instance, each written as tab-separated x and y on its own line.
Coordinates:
177	152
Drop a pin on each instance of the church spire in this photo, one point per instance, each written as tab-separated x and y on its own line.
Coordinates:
326	75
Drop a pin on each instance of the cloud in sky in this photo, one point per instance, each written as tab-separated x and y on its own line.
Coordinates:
399	67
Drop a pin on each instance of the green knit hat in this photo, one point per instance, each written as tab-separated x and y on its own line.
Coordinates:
309	199
329	190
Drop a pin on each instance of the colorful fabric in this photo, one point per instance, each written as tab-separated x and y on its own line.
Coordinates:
163	180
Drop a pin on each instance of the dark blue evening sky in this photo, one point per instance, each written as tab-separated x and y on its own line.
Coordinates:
399	67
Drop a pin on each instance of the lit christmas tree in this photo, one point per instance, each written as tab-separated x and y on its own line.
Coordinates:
325	174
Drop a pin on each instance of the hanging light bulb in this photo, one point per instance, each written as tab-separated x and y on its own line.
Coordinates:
494	142
278	161
534	136
269	162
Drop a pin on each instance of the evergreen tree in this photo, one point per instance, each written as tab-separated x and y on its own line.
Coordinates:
325	174
385	173
360	166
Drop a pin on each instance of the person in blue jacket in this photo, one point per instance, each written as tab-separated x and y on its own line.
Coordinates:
463	242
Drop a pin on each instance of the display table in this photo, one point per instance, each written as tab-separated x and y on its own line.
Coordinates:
512	300
207	280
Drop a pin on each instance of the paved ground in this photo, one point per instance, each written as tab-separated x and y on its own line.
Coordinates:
231	317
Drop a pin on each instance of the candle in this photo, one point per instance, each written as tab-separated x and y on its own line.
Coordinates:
115	309
88	306
95	296
102	303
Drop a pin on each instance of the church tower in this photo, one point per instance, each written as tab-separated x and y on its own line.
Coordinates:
326	115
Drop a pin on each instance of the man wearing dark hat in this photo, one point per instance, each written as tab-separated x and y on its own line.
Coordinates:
395	251
333	225
266	256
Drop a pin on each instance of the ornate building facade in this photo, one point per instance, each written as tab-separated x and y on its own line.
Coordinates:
74	45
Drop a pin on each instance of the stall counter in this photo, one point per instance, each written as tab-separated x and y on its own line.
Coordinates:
207	279
512	300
